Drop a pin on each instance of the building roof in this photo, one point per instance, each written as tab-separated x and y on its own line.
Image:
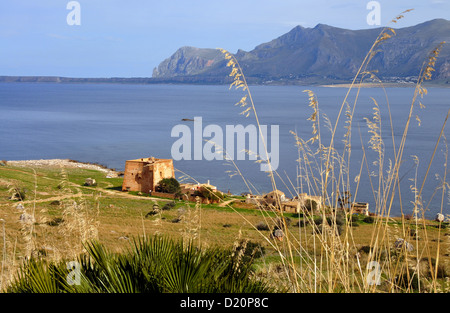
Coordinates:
149	160
291	203
278	192
209	186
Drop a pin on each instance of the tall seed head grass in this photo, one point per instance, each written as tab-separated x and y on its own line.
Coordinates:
327	259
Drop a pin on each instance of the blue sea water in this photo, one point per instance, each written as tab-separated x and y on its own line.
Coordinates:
111	123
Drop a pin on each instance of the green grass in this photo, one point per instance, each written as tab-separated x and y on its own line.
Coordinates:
122	215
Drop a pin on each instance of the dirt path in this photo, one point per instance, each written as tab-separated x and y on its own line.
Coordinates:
223	204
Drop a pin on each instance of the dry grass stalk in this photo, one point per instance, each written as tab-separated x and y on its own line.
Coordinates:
323	171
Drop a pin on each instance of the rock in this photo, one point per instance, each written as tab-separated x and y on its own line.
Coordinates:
440	218
90	182
123	238
20	207
278	234
27	218
15	197
48	248
400	243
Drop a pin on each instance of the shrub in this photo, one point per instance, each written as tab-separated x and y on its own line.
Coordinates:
55	222
168	185
338	229
249	250
354	218
413	233
262	226
339	220
365	249
18	193
369	219
279	222
318	220
207	193
153	265
317	229
406	281
301	223
169	206
152	213
310	205
441	270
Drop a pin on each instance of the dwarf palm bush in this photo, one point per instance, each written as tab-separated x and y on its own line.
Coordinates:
156	264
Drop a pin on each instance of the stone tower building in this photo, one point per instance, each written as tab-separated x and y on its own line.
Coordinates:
144	174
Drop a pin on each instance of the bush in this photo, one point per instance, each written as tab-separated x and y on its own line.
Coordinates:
310	205
168	206
369	219
207	193
354	218
441	271
413	233
262	226
338	221
249	250
317	229
301	223
144	269
168	185
18	193
152	213
55	222
404	281
318	220
279	222
365	249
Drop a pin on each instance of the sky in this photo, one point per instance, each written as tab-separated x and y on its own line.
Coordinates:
129	38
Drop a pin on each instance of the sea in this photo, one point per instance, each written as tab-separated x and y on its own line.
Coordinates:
111	123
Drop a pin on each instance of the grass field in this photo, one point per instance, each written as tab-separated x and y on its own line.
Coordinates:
66	213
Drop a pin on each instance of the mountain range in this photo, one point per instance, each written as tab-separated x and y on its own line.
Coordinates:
317	55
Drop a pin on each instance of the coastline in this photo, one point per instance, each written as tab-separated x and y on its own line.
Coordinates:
66	163
384	85
372	85
182	80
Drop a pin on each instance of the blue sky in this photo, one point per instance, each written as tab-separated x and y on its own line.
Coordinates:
129	38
